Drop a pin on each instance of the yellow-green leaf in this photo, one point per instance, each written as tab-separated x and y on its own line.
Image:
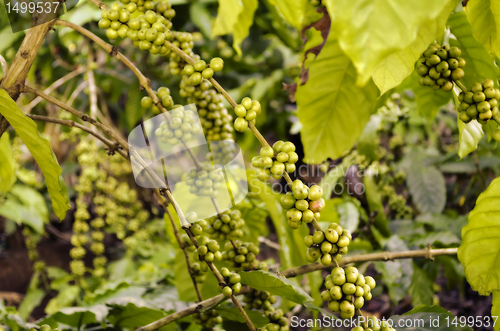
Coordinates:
479	252
298	13
369	31
428	100
236	17
41	151
331	107
470	135
8	166
397	66
484	16
495	309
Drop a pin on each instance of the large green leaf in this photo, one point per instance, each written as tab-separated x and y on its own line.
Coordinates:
495	309
349	215
236	17
427	187
32	199
369	141
330	179
420	290
233	314
397	66
132	316
480	249
77	316
278	285
428	100
8	168
33	297
13	210
480	65
298	13
469	136
484	16
369	31
428	318
375	204
133	108
41	151
64	298
332	109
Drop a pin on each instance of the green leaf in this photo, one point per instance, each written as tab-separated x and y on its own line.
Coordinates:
133	108
420	290
427	187
132	316
78	316
427	318
201	17
375	204
480	65
298	13
332	118
8	168
399	65
278	285
369	31
479	252
484	16
428	100
495	309
349	215
331	178
15	211
31	300
64	298
233	314
32	199
369	141
41	151
469	136
236	17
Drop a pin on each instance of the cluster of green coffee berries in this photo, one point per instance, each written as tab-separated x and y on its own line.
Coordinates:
440	66
277	321
149	31
327	245
259	300
347	290
373	324
242	256
247	111
205	182
274	161
208	250
165	98
31	243
228	226
480	103
231	284
45	327
200	70
180	127
214	117
303	204
207	319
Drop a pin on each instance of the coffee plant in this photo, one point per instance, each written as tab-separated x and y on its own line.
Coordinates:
369	133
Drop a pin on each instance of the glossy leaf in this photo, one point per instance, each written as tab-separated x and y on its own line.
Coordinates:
330	179
369	31
133	108
332	118
132	316
399	65
233	314
420	290
429	101
234	17
470	135
480	65
428	318
41	151
298	13
480	249
349	215
278	285
64	298
7	170
484	16
375	204
368	141
427	187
